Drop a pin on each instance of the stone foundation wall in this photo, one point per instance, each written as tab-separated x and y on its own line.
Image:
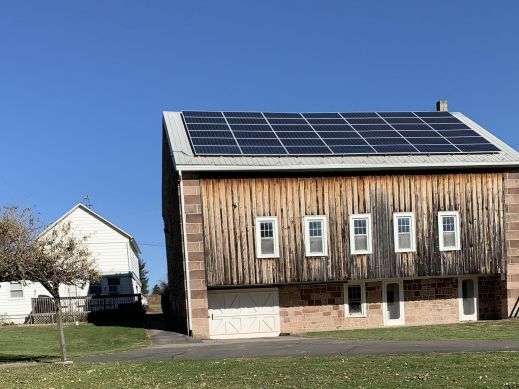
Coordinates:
431	301
320	307
492	297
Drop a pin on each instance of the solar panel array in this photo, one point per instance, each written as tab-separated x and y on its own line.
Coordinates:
339	133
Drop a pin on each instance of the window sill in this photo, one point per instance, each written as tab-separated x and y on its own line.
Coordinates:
313	255
405	251
362	253
356	316
268	257
450	249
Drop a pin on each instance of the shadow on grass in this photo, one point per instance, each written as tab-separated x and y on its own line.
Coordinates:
6	358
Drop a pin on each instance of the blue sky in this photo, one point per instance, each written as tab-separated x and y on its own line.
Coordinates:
83	84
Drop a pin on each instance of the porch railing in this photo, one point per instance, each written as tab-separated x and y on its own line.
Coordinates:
43	309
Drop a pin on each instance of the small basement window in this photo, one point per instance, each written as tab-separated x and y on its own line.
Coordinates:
449	231
355	300
360	233
403	224
267	237
316	238
16	290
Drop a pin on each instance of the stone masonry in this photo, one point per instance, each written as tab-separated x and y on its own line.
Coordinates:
512	240
320	307
195	253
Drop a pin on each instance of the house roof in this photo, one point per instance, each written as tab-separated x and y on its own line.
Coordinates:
185	160
97	216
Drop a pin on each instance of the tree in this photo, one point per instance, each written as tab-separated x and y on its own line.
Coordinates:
18	233
143	275
159	288
56	257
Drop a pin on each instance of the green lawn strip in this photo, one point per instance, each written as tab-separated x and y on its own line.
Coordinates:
495	370
41	343
483	330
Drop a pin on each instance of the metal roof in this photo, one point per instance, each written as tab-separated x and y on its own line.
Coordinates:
185	160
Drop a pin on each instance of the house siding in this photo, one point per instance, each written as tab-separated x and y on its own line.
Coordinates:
111	251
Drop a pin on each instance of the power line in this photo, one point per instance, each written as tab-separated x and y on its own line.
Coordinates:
152	244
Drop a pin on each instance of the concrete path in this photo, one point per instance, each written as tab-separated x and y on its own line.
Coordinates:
160	335
298	347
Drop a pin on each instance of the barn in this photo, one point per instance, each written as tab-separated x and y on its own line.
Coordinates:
282	222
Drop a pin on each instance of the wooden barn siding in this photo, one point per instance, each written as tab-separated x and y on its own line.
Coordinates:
230	206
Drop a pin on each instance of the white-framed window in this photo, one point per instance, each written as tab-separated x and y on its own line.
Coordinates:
16	290
355	299
404	232
449	230
316	236
267	237
360	233
73	291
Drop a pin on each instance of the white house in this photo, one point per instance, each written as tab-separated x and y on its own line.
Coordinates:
116	253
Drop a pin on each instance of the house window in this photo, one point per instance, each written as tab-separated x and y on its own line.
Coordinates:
95	289
355	300
114	285
16	290
449	227
360	234
267	237
316	236
403	224
73	291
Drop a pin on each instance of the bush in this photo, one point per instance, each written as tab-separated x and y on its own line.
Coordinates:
165	304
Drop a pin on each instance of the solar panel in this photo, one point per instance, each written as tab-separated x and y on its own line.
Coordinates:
335	133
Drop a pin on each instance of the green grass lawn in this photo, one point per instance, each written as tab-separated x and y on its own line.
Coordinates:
491	370
154	308
482	330
41	343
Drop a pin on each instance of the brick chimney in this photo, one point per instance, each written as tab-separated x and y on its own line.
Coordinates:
442	106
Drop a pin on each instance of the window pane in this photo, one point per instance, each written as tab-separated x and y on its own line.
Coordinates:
315	228
449	239
316	245
404	224
266	229
404	241
467	288
360	227
16	289
267	246
354	300
393	301
449	223
361	242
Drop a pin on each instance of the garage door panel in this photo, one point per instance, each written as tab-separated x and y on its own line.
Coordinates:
243	313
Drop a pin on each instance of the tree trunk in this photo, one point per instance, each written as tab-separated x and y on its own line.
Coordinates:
61	334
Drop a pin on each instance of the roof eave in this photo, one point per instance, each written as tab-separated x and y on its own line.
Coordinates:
345	167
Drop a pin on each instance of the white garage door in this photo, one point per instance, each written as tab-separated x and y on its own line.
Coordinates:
245	313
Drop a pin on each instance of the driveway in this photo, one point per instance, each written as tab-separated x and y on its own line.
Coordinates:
291	346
